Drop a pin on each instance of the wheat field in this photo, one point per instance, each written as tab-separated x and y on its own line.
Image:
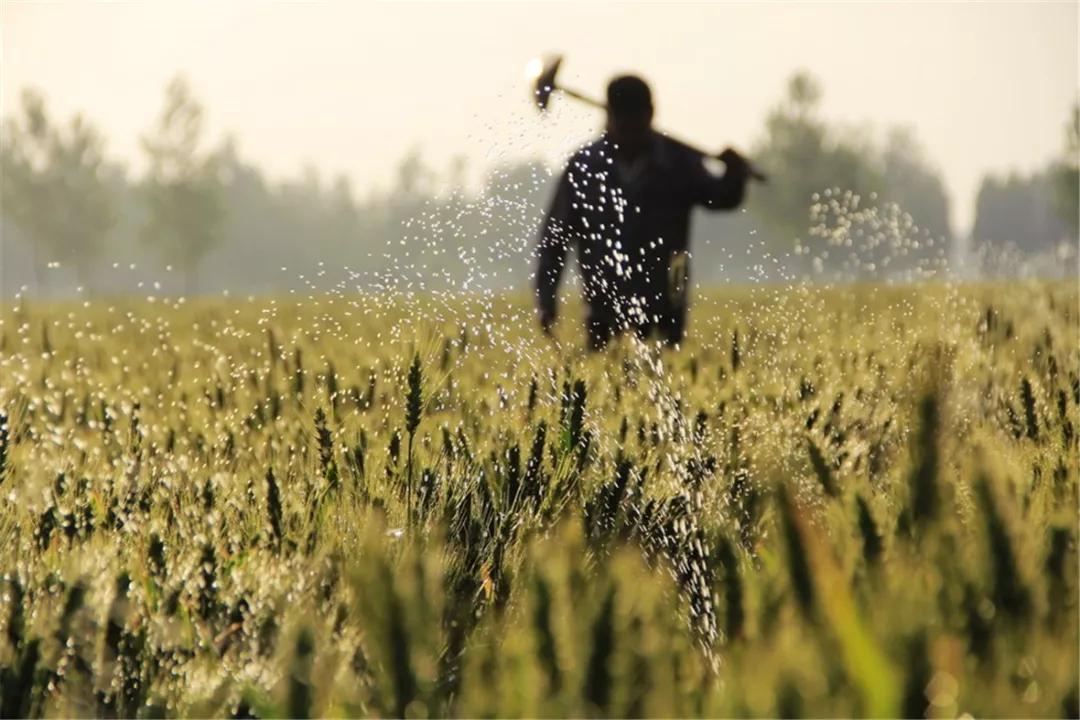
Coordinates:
857	501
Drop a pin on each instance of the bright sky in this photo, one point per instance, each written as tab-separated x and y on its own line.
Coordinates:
350	87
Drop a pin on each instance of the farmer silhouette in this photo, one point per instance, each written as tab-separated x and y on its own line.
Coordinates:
624	203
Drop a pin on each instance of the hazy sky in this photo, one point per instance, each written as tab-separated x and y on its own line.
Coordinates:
351	87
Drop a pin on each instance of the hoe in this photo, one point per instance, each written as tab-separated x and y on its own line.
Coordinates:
543	75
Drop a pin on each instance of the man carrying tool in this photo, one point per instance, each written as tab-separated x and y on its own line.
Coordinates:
624	202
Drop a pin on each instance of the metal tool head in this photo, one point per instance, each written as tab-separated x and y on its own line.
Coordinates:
543	73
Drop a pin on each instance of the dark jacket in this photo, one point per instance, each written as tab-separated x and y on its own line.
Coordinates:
630	228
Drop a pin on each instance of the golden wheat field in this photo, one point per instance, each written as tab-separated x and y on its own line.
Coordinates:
843	502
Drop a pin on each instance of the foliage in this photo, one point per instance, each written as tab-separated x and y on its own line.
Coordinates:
221	224
1035	215
54	186
807	156
1067	185
183	189
1019	210
830	503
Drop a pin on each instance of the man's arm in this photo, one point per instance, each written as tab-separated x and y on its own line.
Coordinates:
721	192
552	250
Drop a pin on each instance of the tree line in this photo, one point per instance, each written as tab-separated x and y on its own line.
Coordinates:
203	219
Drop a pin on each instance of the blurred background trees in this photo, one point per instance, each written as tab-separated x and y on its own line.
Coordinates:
55	192
807	157
1067	175
1034	216
183	189
1019	209
213	216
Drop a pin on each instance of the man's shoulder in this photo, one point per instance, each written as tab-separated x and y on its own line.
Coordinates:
675	151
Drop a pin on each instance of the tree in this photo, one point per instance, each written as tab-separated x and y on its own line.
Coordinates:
24	154
1067	176
911	183
840	200
805	158
912	190
1019	211
86	206
1035	215
55	188
414	177
184	190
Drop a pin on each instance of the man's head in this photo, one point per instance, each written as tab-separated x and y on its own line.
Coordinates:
630	112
